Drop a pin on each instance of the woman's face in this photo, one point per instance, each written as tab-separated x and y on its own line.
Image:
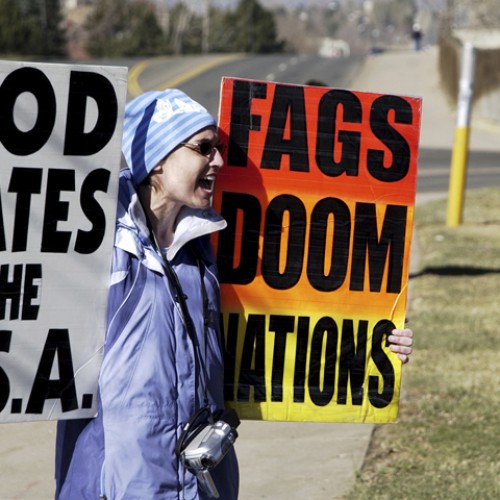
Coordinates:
187	176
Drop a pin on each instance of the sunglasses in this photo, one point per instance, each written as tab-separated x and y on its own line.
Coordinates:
204	148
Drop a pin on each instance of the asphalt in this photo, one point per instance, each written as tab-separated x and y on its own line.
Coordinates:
279	461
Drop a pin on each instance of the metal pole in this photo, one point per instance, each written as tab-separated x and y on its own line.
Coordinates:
460	151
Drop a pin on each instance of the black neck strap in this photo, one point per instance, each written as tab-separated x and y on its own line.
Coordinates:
180	297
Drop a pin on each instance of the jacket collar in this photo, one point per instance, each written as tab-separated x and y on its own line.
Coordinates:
132	234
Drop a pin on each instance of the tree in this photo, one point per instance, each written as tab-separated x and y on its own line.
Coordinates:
11	32
121	28
250	28
43	21
185	29
31	27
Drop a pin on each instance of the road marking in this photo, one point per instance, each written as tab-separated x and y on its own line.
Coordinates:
135	72
134	88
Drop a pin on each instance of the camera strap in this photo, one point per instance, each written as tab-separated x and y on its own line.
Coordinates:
192	427
180	298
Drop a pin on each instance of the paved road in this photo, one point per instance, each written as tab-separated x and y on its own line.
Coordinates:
202	82
434	169
200	78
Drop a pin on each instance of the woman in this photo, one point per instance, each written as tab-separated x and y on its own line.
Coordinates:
162	356
156	373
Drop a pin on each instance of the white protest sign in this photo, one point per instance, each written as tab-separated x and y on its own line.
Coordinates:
60	135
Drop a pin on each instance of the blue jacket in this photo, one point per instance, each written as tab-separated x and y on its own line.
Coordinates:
149	385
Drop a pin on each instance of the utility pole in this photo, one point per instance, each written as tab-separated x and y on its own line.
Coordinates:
205	41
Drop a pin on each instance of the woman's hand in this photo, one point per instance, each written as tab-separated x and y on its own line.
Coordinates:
401	342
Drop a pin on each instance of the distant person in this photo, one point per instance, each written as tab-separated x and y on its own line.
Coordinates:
416	35
162	371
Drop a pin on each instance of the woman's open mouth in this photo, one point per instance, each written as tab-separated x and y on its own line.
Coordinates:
207	182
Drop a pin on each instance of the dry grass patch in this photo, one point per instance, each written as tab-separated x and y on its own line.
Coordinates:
447	441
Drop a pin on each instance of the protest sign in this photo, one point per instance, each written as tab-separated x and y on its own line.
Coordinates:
60	135
318	191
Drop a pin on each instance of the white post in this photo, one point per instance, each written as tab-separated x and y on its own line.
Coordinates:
458	173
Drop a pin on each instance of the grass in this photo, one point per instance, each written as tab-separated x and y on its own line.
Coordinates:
446	444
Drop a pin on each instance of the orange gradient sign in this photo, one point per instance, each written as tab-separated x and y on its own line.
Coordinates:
318	192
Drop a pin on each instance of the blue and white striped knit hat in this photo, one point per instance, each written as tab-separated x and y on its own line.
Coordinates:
155	123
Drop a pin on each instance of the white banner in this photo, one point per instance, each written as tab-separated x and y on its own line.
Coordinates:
60	135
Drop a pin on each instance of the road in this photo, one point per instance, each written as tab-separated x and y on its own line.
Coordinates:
200	78
434	169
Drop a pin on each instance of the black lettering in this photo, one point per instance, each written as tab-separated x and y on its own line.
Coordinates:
16	406
33	81
57	344
85	85
397	144
389	248
253	354
56	210
281	326
317	365
335	277
249	207
242	119
25	182
384	365
352	362
14	291
5	338
3	242
299	375
89	241
288	108
11	290
231	342
30	291
321	391
272	242
87	401
350	141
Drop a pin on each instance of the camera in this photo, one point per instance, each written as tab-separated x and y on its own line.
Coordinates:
206	446
209	446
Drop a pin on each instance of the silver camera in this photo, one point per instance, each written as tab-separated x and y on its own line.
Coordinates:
206	448
209	446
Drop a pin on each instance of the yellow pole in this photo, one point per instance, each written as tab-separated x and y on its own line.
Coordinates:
458	176
459	157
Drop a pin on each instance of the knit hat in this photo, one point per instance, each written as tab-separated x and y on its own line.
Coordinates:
155	123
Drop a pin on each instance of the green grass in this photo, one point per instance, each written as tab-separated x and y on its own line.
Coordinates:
446	444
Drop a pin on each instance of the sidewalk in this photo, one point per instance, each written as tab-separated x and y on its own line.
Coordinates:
279	461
